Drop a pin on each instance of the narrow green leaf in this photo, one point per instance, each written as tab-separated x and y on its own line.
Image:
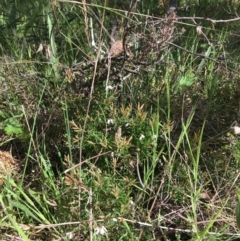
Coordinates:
238	210
14	223
25	210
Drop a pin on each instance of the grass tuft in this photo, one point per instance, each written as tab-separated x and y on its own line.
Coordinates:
139	145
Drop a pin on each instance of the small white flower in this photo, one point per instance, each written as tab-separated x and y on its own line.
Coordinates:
93	43
132	203
199	30
110	121
100	230
236	130
109	87
69	235
114	220
141	137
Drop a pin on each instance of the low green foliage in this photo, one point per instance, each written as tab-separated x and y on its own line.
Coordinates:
238	210
137	147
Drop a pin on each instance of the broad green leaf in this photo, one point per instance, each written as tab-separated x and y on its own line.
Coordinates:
187	79
13	129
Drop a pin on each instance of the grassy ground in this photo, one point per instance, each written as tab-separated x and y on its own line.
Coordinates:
138	147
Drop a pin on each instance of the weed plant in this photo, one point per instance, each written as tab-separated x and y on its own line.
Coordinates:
138	147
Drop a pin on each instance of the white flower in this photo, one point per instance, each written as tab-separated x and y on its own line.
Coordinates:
199	30
109	87
69	235
141	137
132	203
114	220
236	130
100	230
110	121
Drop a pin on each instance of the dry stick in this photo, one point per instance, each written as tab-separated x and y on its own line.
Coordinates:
75	45
209	19
201	55
157	194
43	226
193	231
88	108
108	73
123	12
229	188
129	14
214	137
212	198
202	33
146	15
90	214
85	14
127	23
144	224
11	237
80	163
29	129
101	24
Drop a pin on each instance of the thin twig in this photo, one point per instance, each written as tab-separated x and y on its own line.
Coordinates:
209	19
82	162
201	55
